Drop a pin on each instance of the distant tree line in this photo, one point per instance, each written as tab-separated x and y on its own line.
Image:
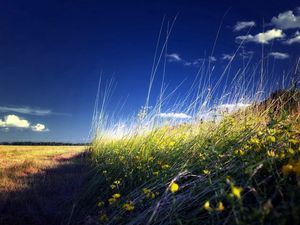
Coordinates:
43	143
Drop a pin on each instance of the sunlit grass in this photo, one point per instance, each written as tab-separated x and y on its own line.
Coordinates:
241	169
19	161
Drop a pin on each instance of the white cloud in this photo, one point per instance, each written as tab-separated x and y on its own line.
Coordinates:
174	115
262	38
14	121
174	57
279	55
227	57
26	110
240	25
286	20
294	39
39	128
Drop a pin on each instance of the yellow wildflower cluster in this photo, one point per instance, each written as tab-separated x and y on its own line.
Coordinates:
291	168
114	198
129	206
148	193
219	208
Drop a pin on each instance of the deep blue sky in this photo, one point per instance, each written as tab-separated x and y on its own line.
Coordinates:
52	52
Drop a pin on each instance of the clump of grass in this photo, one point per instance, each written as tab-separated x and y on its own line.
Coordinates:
220	166
242	169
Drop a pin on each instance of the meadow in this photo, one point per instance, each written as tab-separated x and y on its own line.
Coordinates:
241	169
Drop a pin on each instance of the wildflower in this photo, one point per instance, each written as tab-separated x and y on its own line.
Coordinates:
239	152
286	169
116	196
174	187
117	182
271	139
148	193
112	201
113	186
236	191
254	141
128	206
165	166
206	172
206	206
155	173
291	151
220	207
271	153
202	156
100	204
293	141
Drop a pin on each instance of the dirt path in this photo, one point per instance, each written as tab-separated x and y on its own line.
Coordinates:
51	194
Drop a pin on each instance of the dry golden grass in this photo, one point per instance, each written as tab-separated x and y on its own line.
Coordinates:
19	161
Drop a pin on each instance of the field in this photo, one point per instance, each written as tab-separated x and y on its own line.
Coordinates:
37	181
241	168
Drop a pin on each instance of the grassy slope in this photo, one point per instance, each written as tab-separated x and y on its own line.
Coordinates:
242	170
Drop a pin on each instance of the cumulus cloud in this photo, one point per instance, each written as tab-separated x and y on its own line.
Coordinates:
174	57
174	115
279	55
14	121
240	25
286	20
294	39
262	38
26	110
39	128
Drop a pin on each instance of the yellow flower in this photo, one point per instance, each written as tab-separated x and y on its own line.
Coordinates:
148	193
174	187
271	153
128	206
155	173
117	182
254	141
112	186
271	139
166	166
291	151
116	196
286	169
239	152
220	207
236	191
293	141
112	201
206	172
207	206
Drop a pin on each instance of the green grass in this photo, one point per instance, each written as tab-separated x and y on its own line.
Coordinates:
244	169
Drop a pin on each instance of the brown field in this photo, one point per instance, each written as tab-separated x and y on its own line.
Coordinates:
37	181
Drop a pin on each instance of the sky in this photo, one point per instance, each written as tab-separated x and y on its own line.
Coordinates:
52	53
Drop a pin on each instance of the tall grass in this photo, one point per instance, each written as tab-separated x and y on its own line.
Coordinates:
214	156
